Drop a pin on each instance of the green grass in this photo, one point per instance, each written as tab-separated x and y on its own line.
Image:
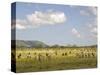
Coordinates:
56	61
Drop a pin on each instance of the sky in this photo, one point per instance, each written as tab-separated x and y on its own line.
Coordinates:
56	24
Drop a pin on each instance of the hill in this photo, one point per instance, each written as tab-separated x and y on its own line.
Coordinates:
30	44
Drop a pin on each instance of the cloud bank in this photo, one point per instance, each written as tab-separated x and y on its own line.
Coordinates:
39	18
89	11
93	29
92	25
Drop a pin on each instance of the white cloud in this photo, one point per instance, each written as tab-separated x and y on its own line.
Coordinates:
92	25
76	33
19	24
93	30
89	11
39	18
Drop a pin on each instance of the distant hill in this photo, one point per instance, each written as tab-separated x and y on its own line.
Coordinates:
30	44
39	44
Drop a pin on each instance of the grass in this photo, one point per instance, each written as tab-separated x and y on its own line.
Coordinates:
59	59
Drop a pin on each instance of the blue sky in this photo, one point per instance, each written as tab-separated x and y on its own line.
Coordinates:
56	24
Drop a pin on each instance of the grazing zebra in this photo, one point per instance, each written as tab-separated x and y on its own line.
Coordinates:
89	55
19	56
70	52
48	57
77	55
93	55
39	57
80	55
35	53
62	54
86	55
66	53
55	52
29	55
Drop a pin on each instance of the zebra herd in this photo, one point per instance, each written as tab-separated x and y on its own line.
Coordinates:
40	56
37	56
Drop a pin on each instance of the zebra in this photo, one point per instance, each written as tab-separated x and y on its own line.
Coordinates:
19	56
29	55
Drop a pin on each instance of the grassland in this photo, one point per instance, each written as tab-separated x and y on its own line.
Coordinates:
47	59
